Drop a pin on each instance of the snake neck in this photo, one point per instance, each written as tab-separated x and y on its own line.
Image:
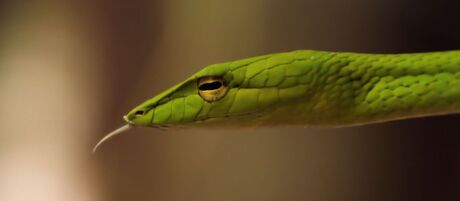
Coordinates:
355	88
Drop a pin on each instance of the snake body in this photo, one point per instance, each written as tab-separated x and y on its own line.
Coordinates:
310	88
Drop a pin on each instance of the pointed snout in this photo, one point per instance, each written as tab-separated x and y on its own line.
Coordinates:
127	119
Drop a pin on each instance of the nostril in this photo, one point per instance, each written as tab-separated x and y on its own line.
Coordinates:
139	113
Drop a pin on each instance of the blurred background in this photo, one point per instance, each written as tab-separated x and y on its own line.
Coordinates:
69	70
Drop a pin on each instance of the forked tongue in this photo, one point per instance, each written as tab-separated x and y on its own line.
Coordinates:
110	135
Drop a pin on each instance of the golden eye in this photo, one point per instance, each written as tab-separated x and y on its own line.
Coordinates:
212	88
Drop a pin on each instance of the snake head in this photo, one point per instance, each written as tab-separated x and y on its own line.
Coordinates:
217	94
219	91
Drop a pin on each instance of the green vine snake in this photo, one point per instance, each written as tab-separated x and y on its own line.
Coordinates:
308	88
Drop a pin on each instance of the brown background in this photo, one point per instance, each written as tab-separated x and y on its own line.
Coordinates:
70	69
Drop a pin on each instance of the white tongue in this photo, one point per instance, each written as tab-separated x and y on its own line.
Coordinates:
110	135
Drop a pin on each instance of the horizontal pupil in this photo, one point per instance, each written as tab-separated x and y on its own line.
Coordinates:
210	86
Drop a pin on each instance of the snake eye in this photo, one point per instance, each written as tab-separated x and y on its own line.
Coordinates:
212	88
139	113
